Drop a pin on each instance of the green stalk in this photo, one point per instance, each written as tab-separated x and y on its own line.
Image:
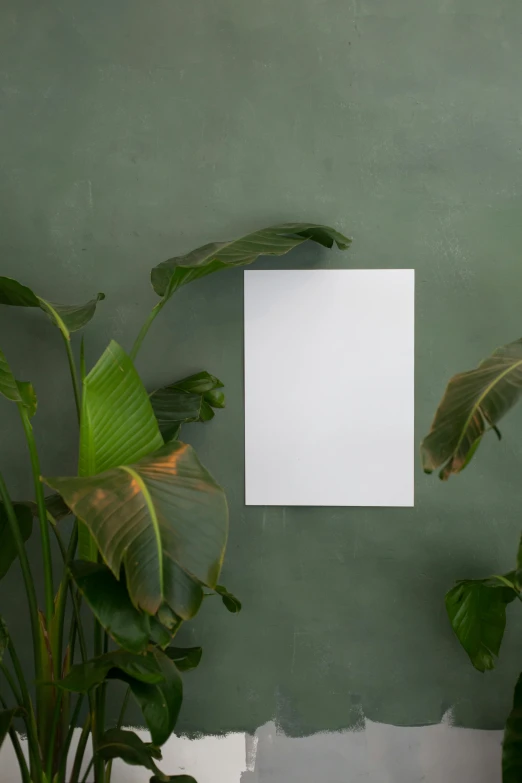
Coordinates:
80	750
26	572
89	767
12	684
67	744
30	720
118	726
52	735
98	717
156	310
74	377
42	514
22	763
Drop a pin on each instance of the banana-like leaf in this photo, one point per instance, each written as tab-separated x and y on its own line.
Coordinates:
68	318
8	551
230	601
473	402
160	702
127	746
164	519
111	605
170	275
477	612
114	665
185	658
512	745
4	637
118	425
191	399
16	391
6	719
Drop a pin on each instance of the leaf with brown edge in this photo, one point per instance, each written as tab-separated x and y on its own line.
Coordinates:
473	403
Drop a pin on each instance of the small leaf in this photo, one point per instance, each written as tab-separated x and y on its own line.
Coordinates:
164	519
188	400
54	504
8	550
170	275
6	718
175	779
232	603
4	637
512	745
16	391
68	318
127	746
185	658
477	612
473	402
111	605
93	673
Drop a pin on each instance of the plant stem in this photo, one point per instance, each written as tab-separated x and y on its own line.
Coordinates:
156	310
52	735
12	684
80	750
22	763
42	514
118	726
74	376
30	720
26	572
89	767
68	739
98	717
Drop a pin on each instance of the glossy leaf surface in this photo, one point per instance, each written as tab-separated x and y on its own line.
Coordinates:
8	551
68	318
179	525
110	603
16	391
185	658
473	402
512	745
477	612
170	275
188	400
126	745
93	673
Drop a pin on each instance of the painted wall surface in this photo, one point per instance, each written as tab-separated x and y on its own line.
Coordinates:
134	131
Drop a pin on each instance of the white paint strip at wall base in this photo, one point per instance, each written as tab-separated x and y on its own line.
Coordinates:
378	753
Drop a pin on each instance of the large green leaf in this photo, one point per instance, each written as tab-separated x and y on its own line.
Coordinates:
191	399
164	519
68	318
111	605
8	551
118	425
114	665
16	391
6	719
126	745
477	612
160	702
473	402
512	745
170	275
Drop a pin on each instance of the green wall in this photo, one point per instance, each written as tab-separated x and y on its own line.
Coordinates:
133	131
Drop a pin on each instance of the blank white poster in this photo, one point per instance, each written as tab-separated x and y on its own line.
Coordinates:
329	387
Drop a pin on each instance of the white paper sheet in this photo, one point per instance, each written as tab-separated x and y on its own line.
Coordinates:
329	387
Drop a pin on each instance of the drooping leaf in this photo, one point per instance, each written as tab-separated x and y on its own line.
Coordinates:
111	605
185	658
6	719
230	601
16	391
118	425
160	702
170	275
188	400
93	673
8	551
127	746
477	612
54	504
4	637
473	402
512	745
175	779
179	525
68	318
164	625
